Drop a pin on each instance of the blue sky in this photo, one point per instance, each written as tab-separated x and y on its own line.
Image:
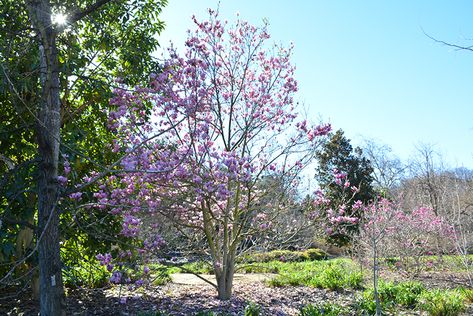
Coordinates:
367	66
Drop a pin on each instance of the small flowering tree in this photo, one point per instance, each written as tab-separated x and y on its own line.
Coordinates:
199	139
420	232
407	235
388	231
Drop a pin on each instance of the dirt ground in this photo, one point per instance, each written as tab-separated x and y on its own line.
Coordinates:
187	294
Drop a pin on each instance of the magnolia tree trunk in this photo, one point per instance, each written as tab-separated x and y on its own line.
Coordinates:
223	250
224	276
48	137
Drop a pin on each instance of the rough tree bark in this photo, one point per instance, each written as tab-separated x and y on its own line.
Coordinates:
48	125
48	138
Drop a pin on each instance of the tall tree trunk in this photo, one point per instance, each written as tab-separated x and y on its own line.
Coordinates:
48	137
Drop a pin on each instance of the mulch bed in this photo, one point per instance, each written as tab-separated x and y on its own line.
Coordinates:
177	299
182	299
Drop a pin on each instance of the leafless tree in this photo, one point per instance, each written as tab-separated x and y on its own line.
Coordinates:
388	168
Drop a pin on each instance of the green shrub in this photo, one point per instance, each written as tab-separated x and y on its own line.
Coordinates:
337	277
88	273
161	279
252	309
390	295
325	309
315	254
160	274
442	302
407	293
285	256
365	303
413	295
199	267
467	294
268	267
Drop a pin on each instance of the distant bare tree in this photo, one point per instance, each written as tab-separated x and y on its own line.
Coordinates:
424	184
388	170
449	192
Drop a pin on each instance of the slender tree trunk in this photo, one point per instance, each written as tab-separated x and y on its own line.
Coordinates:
375	277
48	137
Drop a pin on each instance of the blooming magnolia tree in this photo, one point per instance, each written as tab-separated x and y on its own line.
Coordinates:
210	125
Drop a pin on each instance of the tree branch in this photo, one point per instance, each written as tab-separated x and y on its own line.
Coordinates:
78	15
458	47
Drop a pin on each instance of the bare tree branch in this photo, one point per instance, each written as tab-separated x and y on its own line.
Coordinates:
458	47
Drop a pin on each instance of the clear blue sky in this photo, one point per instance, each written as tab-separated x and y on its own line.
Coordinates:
367	67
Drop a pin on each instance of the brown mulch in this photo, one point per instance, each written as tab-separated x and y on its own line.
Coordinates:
189	297
181	299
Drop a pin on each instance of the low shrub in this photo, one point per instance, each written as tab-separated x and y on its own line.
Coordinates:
442	302
390	296
252	309
160	274
89	274
412	295
365	304
407	293
337	277
467	294
285	256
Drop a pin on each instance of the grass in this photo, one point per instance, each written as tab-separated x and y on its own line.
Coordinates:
335	274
